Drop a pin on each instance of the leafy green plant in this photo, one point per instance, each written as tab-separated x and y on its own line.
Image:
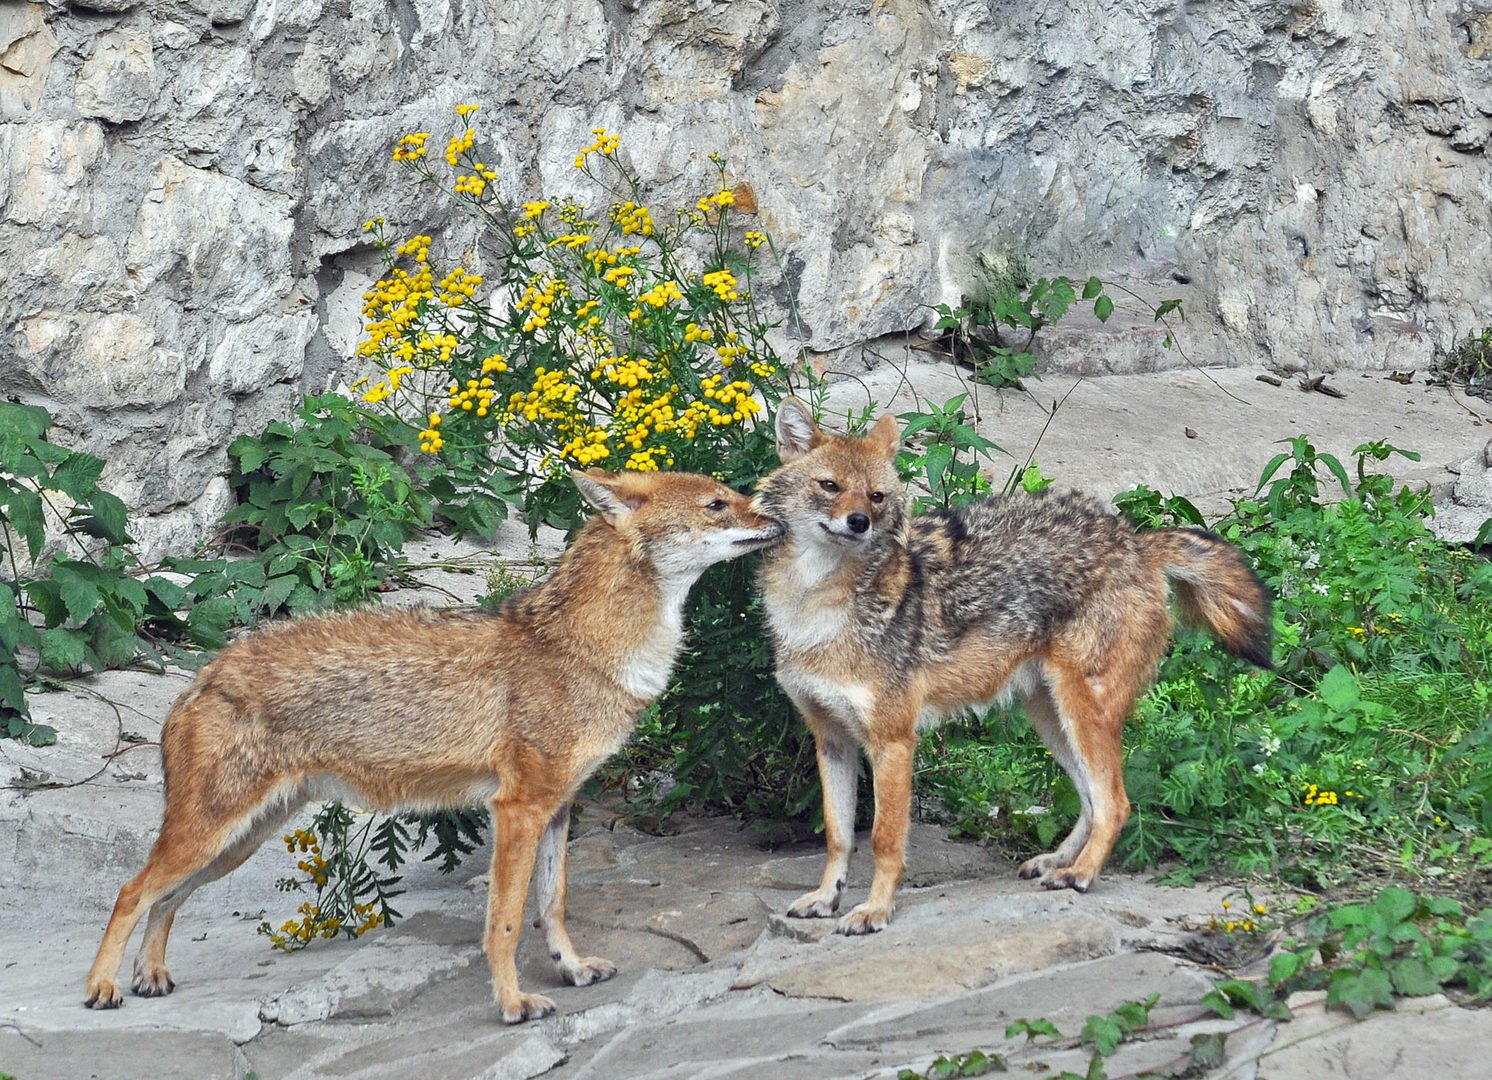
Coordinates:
1032	1030
349	896
623	338
325	504
941	449
83	603
1018	306
1469	360
972	1063
1398	943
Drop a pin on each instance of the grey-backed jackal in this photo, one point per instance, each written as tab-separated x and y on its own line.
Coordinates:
884	622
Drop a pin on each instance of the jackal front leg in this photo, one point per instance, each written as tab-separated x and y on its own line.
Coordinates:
553	890
839	764
891	763
518	827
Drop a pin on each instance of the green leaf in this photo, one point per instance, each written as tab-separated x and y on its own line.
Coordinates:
1032	1028
1218	1002
171	595
1092	288
277	591
1284	966
12	690
1360	991
1270	469
1337	470
33	734
1412	977
111	518
25	513
78	591
1395	904
77	476
1103	1032
46	597
21	425
61	650
115	645
1208	1052
1339	689
1103	307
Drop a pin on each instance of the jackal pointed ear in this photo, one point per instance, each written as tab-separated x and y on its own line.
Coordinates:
614	496
796	432
886	434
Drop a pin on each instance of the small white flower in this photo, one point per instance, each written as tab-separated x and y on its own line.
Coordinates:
1321	587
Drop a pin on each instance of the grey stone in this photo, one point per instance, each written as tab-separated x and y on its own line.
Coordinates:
1461	518
1422	1037
1308	179
115	1055
117	82
27	46
898	963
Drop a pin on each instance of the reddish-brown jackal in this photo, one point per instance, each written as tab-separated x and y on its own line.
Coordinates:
885	622
427	709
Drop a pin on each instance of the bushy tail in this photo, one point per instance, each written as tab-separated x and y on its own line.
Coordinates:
1216	588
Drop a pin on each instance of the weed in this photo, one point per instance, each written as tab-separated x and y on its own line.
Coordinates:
83	603
1469	361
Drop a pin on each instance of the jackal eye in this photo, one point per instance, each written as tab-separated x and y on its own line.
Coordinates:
829	485
877	497
716	504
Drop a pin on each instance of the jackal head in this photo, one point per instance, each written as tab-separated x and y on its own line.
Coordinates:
836	490
682	523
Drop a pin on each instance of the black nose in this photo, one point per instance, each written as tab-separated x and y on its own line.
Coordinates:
857	522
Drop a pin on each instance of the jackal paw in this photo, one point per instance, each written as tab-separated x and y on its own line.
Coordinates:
152	982
1040	866
864	919
103	994
814	905
1066	878
583	971
526	1007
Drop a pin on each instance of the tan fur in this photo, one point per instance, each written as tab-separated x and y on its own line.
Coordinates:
884	622
424	709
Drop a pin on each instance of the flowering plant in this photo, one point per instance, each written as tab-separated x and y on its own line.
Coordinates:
608	338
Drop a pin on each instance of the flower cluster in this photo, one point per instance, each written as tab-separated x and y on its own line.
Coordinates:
724	284
604	342
1316	796
606	144
633	219
316	919
539	300
411	147
1236	923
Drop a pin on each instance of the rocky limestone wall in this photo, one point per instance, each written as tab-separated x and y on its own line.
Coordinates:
183	182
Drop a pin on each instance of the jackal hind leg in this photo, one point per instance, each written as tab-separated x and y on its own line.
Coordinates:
196	836
552	888
1047	721
151	978
1094	724
839	777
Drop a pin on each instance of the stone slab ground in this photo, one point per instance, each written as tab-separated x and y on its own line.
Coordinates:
713	981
